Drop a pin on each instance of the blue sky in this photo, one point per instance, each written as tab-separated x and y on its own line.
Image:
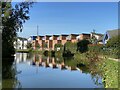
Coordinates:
71	17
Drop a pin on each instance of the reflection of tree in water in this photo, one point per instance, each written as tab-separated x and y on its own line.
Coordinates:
59	60
29	56
96	79
9	79
92	69
96	74
69	61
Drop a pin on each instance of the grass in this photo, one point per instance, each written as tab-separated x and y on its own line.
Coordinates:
110	73
22	50
107	67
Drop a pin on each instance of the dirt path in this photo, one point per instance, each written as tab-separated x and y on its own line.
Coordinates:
118	60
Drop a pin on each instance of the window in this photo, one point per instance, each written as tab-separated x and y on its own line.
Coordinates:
68	37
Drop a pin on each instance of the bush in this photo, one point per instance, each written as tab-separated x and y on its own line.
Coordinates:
113	45
52	53
72	47
58	46
46	52
114	42
95	48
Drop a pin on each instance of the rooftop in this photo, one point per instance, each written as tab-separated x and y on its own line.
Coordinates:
113	32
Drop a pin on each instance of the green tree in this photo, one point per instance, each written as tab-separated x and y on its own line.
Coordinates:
71	46
12	21
29	45
93	40
82	46
59	46
113	46
114	42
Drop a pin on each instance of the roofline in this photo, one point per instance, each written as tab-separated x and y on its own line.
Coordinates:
85	33
112	30
75	34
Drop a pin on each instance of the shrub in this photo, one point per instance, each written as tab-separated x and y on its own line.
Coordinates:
58	46
72	47
114	42
114	46
52	53
46	52
95	48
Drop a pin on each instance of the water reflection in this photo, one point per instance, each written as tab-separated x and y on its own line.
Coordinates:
52	62
9	79
67	64
20	57
36	71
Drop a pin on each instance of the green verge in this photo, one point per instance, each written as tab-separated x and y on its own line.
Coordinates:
110	73
107	67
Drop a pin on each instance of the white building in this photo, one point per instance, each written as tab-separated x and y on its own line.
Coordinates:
98	37
20	43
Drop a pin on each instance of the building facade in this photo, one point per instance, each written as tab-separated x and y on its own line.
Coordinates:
20	43
48	42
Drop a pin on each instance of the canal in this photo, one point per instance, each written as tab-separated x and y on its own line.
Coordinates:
38	71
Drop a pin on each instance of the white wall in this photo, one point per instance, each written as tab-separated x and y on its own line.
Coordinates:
19	44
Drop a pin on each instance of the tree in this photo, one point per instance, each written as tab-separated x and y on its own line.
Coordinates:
113	46
82	46
12	21
29	45
71	46
93	40
58	46
114	42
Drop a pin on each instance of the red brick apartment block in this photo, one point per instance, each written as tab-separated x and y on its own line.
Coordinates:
62	39
72	38
84	36
51	40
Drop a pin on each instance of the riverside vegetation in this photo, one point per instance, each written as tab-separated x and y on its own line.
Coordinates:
93	57
86	57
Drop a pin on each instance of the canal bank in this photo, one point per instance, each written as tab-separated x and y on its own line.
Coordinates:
60	72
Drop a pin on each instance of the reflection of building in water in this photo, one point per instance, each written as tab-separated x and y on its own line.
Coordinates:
71	68
62	66
50	62
20	57
53	64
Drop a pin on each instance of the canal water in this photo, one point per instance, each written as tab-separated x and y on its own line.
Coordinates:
38	71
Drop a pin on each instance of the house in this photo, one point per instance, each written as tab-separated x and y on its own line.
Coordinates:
52	41
96	35
72	37
40	41
96	38
47	42
109	34
32	39
62	39
20	43
83	36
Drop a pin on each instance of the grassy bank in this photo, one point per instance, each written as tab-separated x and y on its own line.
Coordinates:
105	67
30	51
23	50
110	73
